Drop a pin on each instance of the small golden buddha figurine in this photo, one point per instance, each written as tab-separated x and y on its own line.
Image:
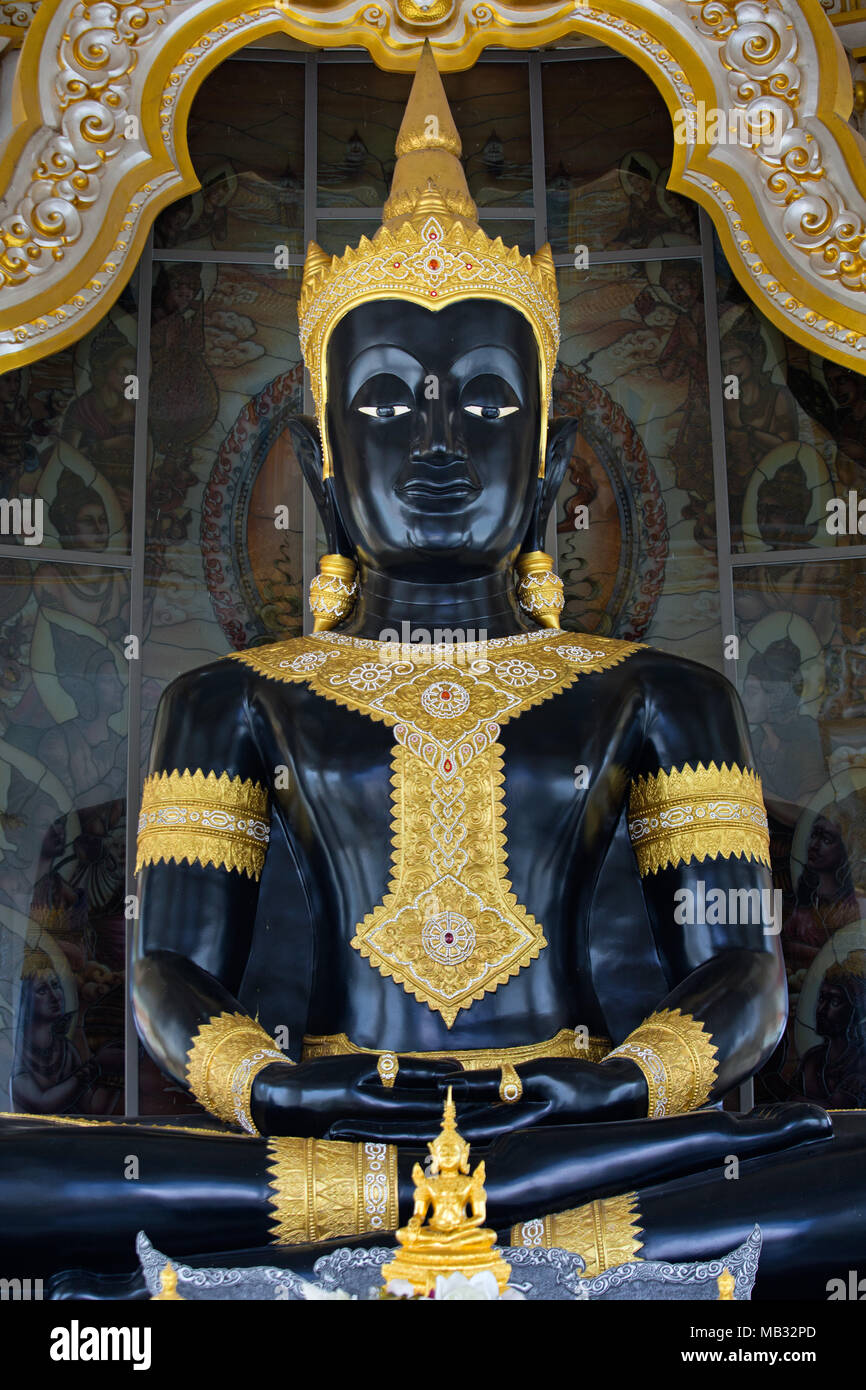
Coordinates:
168	1286
452	1241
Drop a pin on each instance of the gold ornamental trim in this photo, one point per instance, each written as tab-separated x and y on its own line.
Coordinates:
606	1232
677	1056
204	819
324	1189
224	1059
448	928
566	1043
698	813
81	187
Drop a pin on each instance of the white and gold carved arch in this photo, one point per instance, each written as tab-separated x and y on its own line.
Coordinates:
80	193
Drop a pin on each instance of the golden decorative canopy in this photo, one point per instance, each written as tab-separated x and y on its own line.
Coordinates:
82	185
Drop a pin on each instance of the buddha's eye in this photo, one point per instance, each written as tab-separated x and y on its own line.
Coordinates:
384	412
491	412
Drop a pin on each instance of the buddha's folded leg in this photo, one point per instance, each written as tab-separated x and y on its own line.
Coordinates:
810	1203
75	1193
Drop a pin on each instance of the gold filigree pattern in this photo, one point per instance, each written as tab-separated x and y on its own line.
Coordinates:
568	1042
224	1059
760	50
449	929
606	1232
697	813
677	1056
324	1189
205	819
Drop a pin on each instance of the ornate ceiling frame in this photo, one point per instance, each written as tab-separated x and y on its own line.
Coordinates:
82	184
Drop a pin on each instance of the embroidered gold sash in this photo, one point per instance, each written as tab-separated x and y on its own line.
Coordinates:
449	929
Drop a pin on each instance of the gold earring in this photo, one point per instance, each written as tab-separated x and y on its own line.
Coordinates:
539	590
333	591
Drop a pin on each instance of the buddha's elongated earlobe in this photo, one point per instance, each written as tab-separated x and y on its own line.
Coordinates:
539	590
333	591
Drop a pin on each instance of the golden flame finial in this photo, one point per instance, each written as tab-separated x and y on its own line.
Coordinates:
428	175
430	250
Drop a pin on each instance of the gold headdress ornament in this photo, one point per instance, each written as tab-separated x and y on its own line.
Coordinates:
430	250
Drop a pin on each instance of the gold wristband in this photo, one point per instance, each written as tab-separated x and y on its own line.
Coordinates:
325	1189
226	1055
678	1059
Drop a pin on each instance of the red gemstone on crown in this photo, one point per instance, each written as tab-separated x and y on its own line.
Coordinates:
449	937
447	764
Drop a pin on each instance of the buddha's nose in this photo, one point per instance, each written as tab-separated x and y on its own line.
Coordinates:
439	439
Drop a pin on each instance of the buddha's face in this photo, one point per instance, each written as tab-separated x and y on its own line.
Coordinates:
433	422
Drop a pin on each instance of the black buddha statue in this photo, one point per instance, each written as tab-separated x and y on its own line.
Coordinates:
441	842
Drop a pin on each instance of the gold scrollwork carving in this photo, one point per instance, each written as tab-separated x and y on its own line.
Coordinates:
792	225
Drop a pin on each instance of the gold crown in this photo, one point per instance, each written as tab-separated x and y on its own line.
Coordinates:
430	250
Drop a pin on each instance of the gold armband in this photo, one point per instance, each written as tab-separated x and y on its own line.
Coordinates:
325	1189
678	1059
226	1055
204	819
606	1232
696	814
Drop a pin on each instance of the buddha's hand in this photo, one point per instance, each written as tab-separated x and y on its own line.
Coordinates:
555	1091
309	1099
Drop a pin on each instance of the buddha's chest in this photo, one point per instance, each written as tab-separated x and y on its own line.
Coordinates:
436	803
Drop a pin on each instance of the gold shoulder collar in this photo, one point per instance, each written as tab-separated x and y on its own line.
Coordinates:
449	929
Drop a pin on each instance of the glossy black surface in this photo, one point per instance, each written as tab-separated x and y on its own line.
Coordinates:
436	499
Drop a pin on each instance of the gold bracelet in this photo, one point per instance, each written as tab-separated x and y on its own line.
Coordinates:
226	1056
678	1059
325	1189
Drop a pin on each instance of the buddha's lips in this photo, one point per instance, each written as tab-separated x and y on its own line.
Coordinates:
446	481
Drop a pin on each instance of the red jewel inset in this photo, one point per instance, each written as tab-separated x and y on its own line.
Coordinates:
449	937
433	236
446	695
433	294
397	265
447	764
468	265
433	265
